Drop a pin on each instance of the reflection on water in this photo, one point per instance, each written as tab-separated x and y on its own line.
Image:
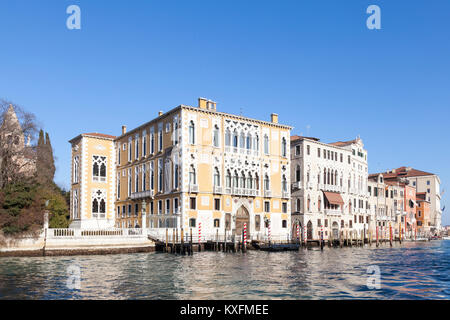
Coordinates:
409	271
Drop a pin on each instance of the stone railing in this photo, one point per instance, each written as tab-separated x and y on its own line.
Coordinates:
90	233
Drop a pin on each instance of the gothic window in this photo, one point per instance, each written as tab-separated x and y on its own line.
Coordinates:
76	169
242	141
129	182
191	132
242	180
136	147
136	179
152	141
144	177
160	175
192	176
235	139
129	148
266	183
98	204
249	181
249	141
176	176
144	143
283	147
99	168
236	180
216	136
75	205
284	183
160	137
152	176
228	179
228	138
216	177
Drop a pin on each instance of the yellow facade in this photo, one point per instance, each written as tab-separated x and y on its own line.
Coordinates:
204	165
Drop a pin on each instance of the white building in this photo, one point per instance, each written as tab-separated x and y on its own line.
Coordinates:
329	187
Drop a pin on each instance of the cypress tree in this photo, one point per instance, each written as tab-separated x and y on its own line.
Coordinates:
50	159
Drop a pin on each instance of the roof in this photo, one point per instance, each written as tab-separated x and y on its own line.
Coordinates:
295	137
95	135
343	143
403	172
99	135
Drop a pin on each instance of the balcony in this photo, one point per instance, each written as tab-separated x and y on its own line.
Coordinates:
228	190
217	189
267	194
285	195
309	185
193	188
143	194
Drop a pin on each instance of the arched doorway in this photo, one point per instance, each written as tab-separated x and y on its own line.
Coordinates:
335	230
294	230
242	216
309	230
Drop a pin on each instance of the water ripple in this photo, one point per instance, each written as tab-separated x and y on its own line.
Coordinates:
409	271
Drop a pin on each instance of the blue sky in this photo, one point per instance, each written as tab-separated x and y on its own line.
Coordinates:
315	63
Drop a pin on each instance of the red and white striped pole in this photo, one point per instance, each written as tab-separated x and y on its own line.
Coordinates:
304	235
269	231
298	232
199	232
245	233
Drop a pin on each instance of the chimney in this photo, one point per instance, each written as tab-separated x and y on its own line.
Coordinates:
274	118
204	103
160	113
124	130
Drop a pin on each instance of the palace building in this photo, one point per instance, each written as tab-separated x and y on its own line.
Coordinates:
329	188
191	167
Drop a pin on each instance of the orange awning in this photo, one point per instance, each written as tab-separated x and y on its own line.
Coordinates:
334	198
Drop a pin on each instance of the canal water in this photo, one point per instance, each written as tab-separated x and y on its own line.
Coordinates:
407	271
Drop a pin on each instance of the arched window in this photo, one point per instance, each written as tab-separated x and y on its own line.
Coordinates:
266	183
228	179
235	139
319	206
266	144
216	177
216	136
136	179
308	205
249	181
257	143
176	176
297	207
242	141
283	147
242	180
324	176
228	138
192	177
236	180
284	183
249	141
144	177
192	133
297	174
